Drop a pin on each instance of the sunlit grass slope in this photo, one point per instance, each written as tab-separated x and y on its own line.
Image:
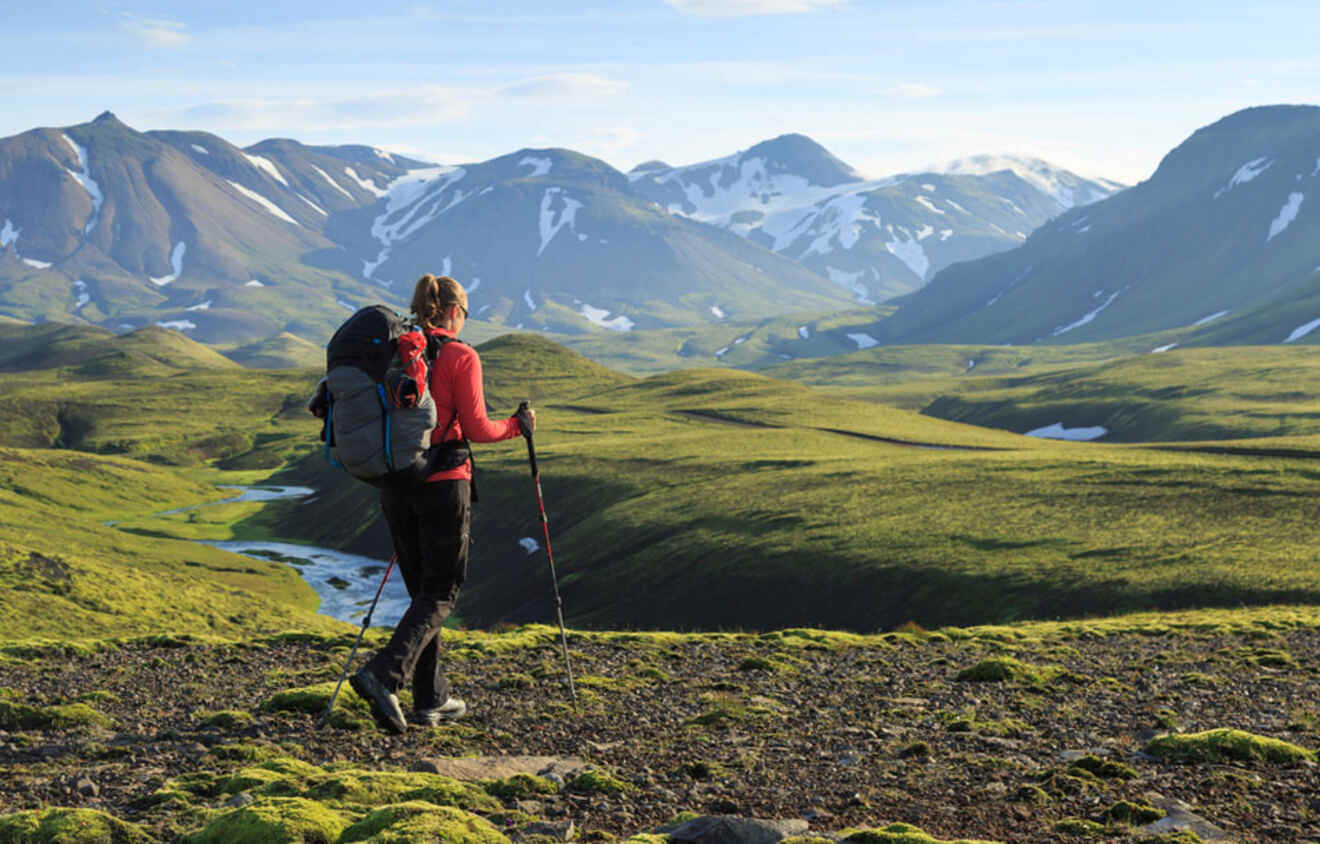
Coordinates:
66	574
1183	394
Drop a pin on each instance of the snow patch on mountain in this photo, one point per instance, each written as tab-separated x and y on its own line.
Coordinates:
364	183
263	202
540	166
176	264
553	219
331	182
84	178
203	150
254	283
318	209
1058	432
81	296
345	305
266	166
863	341
1302	330
1205	319
1287	214
204	306
925	200
9	234
1160	349
33	262
804	333
178	324
909	251
476	282
719	314
1246	173
527	297
597	316
945	234
1087	317
1039	174
413	201
852	281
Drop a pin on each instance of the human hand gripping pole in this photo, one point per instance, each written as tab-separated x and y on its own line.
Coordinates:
366	622
524	424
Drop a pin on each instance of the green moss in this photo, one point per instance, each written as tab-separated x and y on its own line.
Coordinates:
519	786
599	782
899	833
58	826
18	716
273	820
228	719
761	663
1227	745
517	681
646	838
1078	826
993	670
1133	814
313	699
98	696
379	788
1104	769
242	752
726	713
404	823
1031	794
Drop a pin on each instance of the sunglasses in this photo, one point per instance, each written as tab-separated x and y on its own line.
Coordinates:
463	309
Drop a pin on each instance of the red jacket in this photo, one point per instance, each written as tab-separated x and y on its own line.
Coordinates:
460	404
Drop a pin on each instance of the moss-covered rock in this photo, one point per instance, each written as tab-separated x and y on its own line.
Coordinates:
1133	814
900	833
313	700
274	820
599	782
519	786
1227	745
1105	769
57	826
228	719
19	716
404	823
1078	826
380	788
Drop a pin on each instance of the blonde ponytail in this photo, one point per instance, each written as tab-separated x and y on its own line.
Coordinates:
433	295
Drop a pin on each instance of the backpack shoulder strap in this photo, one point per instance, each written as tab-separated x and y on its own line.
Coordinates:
436	342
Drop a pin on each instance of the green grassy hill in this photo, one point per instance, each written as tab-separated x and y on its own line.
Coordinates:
283	351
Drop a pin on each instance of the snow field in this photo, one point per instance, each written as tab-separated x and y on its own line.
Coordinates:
719	314
1088	317
803	332
254	283
413	201
1058	432
597	316
909	251
1245	174
266	166
1302	330
1287	214
331	182
203	150
540	166
204	306
33	262
553	219
176	264
178	324
84	178
1205	319
265	203
863	341
8	234
1158	349
852	281
364	183
81	295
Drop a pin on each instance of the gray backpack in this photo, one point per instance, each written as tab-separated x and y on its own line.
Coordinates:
379	414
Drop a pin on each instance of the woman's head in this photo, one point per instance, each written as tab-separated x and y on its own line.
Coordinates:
434	296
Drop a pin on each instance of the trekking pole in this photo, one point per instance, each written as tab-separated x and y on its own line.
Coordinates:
366	622
545	528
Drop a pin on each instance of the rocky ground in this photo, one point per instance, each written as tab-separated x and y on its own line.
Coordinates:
1043	739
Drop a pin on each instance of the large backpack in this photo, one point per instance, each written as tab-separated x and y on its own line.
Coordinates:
379	414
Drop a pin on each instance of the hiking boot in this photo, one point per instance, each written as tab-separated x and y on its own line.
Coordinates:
450	710
384	703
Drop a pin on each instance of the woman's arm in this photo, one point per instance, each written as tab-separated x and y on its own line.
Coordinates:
470	403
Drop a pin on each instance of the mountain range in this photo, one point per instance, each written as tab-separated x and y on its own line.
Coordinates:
103	224
1220	246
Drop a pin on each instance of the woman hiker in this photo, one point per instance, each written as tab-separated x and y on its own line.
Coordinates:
429	524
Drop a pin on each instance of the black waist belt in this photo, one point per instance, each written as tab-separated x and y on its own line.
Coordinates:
447	455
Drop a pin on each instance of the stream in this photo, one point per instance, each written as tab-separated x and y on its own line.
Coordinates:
346	583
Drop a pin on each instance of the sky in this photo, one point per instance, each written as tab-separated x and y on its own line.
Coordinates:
1102	88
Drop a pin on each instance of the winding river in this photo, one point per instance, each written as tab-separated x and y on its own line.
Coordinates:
345	583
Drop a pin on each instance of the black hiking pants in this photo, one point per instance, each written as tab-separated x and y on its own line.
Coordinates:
430	530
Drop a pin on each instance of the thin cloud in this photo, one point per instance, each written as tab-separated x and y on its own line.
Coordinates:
156	32
912	91
564	86
742	8
424	107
